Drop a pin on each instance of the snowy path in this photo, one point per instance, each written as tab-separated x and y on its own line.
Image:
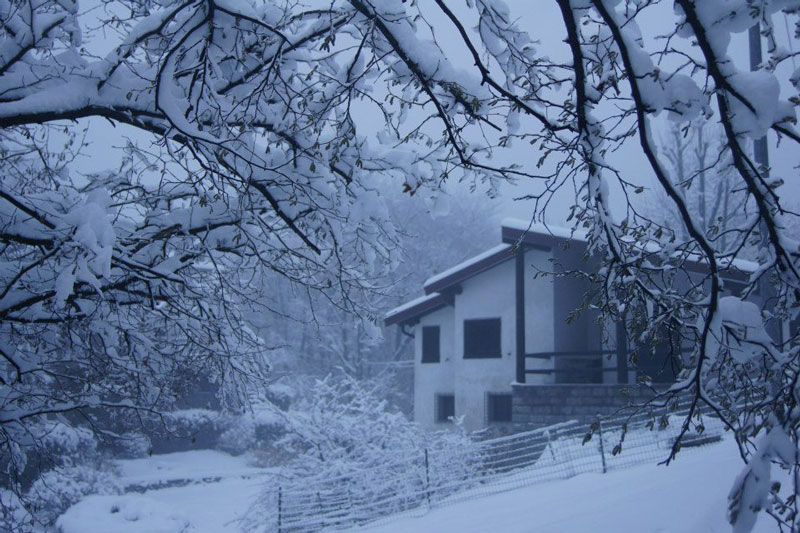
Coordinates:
689	496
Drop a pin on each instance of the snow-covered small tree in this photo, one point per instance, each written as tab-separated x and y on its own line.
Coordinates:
344	451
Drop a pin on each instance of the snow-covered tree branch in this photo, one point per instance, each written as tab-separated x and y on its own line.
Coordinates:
267	131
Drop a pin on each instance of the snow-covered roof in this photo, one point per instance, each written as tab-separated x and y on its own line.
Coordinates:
530	234
472	261
538	228
513	230
414	308
544	234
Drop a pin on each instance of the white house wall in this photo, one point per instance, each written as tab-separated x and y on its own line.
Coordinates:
433	378
489	294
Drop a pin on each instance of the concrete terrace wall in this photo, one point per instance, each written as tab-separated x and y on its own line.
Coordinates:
543	405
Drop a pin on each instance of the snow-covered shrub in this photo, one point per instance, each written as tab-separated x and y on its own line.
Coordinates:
281	395
190	429
254	427
58	489
55	467
132	445
69	444
253	431
47	445
343	443
180	430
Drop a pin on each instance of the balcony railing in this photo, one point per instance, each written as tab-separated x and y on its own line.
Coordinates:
580	373
583	373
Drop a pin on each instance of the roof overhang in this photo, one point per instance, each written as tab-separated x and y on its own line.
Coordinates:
534	235
452	277
539	236
411	312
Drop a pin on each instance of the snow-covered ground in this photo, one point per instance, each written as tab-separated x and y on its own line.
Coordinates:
212	491
689	496
189	466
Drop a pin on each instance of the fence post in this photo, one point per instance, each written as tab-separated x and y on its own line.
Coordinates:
321	514
280	502
427	480
602	446
563	433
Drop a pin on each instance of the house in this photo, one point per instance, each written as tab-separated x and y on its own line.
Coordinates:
498	344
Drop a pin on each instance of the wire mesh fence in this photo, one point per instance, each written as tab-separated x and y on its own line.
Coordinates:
411	487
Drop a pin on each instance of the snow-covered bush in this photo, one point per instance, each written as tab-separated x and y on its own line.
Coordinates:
66	466
58	489
343	442
186	429
56	444
255	430
131	445
344	423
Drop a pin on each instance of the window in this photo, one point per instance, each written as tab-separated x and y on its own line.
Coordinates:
445	407
498	407
430	344
482	338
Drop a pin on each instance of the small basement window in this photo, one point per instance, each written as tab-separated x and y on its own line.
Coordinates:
430	344
482	338
445	407
498	407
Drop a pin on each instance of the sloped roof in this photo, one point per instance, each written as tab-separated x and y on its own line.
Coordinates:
513	231
539	235
467	269
532	235
414	309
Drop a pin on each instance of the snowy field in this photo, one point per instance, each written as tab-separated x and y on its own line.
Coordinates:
688	496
